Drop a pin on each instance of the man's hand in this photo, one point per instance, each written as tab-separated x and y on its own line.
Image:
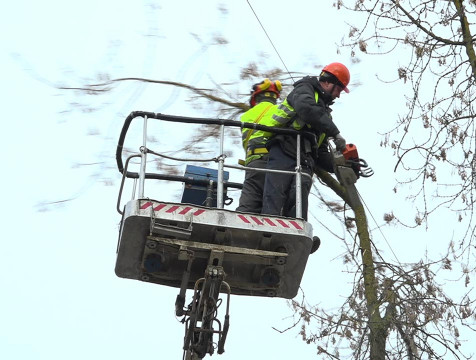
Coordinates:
339	141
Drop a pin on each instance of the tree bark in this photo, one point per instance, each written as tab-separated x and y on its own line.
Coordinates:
467	37
377	325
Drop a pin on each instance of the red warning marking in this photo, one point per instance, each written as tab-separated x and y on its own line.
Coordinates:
172	209
282	223
296	225
256	220
244	219
146	205
186	210
269	221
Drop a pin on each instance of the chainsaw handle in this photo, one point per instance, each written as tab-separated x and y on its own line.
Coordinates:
363	168
358	162
366	172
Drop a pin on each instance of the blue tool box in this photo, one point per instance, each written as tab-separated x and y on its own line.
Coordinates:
197	194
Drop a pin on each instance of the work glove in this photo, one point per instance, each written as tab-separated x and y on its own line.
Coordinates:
339	141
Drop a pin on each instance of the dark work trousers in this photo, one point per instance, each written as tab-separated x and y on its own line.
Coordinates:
279	194
251	199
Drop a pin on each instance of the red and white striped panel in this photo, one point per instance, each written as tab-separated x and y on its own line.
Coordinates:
250	219
247	219
167	208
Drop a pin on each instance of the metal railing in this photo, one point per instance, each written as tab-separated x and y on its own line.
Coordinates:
142	175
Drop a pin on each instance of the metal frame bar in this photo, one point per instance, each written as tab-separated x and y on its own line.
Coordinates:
143	160
221	161
142	175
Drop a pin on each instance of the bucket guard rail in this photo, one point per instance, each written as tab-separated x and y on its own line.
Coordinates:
189	120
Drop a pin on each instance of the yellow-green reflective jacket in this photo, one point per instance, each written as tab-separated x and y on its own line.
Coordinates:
268	114
256	138
265	113
285	115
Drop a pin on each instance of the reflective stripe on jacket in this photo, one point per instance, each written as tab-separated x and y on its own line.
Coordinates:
251	138
285	114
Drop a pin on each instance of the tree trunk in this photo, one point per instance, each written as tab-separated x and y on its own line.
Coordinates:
377	325
467	37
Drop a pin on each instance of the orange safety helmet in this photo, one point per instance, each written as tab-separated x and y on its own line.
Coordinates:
268	87
341	73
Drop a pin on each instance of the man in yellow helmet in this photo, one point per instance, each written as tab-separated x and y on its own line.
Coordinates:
263	101
307	109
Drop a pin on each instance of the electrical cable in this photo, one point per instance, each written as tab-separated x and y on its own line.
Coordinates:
272	44
274	47
378	227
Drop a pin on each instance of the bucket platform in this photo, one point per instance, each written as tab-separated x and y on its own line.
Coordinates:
172	244
198	245
263	256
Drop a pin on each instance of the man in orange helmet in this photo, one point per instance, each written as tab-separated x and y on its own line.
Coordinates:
307	109
262	101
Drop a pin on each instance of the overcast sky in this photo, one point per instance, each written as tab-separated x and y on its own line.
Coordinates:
60	296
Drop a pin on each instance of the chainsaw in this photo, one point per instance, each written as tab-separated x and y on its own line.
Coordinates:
348	166
359	165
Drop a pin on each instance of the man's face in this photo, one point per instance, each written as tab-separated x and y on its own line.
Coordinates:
333	89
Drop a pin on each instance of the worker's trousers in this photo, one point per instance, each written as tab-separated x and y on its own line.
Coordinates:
279	193
251	199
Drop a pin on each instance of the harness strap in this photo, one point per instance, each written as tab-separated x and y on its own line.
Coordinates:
257	151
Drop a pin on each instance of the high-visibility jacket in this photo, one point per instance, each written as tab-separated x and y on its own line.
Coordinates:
315	119
285	115
311	108
268	114
307	108
254	141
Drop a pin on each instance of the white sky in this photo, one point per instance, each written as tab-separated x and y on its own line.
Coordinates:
60	296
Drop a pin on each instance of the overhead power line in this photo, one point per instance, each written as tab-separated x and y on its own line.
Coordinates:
271	41
284	64
379	228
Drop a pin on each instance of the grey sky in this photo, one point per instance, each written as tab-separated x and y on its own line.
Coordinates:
60	296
